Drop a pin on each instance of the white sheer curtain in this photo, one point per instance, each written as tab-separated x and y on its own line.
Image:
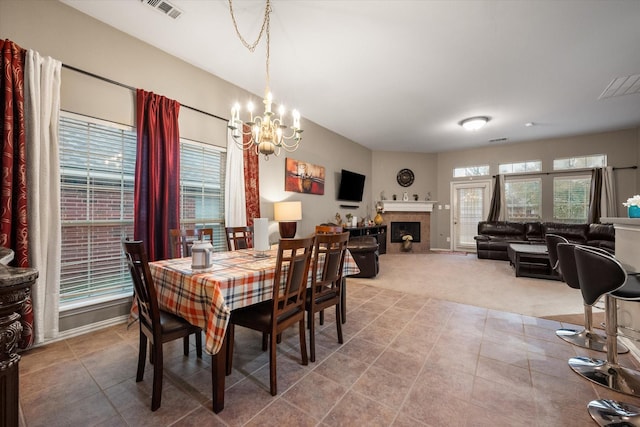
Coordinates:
42	117
608	207
235	211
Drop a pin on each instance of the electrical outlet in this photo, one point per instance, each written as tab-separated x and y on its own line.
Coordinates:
448	239
447	207
439	207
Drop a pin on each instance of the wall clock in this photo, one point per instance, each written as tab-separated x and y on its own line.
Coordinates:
405	177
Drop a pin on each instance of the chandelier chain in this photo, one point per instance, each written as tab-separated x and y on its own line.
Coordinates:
264	29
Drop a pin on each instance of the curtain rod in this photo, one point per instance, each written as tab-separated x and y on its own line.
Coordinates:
562	171
105	79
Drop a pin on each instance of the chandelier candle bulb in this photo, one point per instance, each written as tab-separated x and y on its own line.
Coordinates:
296	119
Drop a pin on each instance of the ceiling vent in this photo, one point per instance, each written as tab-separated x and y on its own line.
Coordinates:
165	7
496	140
622	86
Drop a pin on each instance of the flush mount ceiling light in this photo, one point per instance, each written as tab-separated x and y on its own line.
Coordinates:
474	123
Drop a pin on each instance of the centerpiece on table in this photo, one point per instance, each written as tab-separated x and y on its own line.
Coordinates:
407	241
633	206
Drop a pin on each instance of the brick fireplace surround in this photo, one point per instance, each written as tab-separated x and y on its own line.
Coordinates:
394	211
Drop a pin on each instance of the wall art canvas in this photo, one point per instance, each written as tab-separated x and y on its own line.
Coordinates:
303	177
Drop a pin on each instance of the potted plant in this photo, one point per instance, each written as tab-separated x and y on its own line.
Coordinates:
407	241
633	206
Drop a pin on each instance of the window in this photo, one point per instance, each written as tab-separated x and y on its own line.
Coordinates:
97	162
521	167
571	198
482	170
523	198
584	162
202	171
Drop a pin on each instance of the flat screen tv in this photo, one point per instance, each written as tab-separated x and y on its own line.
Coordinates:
351	186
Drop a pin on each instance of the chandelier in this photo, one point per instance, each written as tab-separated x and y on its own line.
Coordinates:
267	133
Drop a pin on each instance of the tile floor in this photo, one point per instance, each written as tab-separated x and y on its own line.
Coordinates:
406	361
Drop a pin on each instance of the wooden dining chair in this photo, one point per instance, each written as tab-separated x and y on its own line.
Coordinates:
157	326
284	309
239	238
329	229
326	282
205	234
181	240
175	242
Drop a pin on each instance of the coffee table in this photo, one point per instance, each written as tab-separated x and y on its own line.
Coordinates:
531	260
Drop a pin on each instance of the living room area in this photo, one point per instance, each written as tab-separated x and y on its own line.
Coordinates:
445	332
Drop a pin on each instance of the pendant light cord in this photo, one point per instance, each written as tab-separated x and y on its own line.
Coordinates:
265	29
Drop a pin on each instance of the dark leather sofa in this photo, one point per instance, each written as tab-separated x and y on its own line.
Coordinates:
495	236
364	250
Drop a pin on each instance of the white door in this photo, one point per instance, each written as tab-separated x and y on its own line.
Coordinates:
470	206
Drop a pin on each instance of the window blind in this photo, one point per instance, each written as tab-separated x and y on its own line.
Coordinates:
97	162
523	198
571	198
202	171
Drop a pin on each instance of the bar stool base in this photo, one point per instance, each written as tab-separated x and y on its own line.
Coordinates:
590	340
614	377
610	413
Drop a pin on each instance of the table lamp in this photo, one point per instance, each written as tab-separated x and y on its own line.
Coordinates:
287	213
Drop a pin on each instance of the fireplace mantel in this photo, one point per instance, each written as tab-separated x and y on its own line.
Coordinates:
408	206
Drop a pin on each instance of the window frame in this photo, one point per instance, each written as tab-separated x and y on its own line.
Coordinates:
211	221
575	162
79	183
577	176
468	171
538	181
526	168
70	304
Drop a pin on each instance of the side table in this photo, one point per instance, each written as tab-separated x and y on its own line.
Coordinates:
15	287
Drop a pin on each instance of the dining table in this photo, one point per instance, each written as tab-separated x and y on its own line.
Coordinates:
206	297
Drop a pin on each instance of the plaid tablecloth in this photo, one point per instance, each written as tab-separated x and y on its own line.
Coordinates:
205	299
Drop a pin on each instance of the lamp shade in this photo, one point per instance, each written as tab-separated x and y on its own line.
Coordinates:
287	211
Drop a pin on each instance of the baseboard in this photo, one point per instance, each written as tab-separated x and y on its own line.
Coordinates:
632	346
70	333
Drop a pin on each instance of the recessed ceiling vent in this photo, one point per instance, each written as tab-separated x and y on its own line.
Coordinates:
165	7
496	140
622	86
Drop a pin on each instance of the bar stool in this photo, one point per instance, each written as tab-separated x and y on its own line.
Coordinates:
612	413
586	338
601	274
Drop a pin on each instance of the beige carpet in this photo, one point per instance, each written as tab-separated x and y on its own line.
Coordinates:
484	283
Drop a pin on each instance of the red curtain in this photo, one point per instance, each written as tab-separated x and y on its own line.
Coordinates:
13	217
157	180
251	184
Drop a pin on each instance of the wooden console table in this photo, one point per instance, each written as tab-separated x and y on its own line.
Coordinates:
377	231
15	287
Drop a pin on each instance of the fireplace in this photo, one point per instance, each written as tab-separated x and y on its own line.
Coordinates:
401	228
